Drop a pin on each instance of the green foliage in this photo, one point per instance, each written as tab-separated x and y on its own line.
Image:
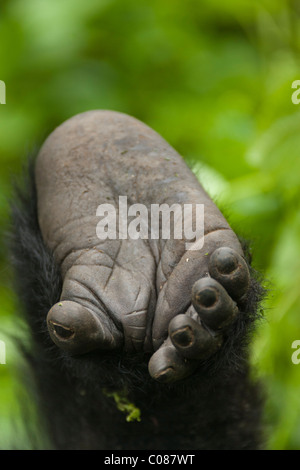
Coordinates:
214	78
124	405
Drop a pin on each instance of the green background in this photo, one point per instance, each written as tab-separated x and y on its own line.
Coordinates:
214	78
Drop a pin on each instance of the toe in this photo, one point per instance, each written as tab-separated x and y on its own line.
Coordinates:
211	301
191	339
167	364
230	270
77	330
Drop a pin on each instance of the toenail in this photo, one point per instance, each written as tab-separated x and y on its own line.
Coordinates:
207	297
166	375
183	337
226	263
228	267
231	270
61	331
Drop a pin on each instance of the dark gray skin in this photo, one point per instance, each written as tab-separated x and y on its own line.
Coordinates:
133	295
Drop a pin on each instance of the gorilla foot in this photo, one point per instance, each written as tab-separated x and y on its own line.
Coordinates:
134	295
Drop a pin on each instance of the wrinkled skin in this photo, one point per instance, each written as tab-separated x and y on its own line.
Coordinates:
133	295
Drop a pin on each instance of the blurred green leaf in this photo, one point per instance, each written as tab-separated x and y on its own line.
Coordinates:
213	78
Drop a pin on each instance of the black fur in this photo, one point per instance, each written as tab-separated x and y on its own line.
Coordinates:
218	407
